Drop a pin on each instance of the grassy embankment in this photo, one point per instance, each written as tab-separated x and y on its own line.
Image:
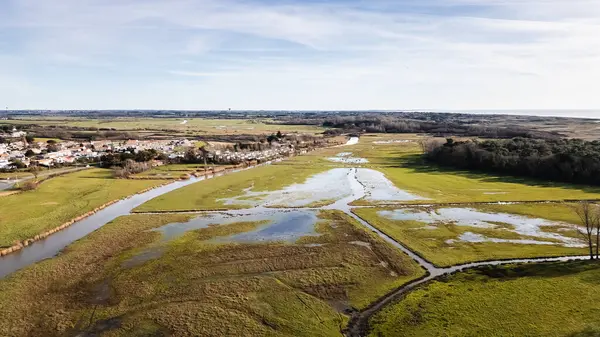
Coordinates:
402	165
194	286
558	299
432	243
59	200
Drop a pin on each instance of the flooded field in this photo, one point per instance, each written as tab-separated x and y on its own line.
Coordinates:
536	230
453	236
295	249
326	188
346	158
378	188
273	225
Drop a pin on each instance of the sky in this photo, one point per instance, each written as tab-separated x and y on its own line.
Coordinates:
300	54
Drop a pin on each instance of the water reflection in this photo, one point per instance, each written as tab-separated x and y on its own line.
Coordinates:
521	225
280	225
345	158
327	187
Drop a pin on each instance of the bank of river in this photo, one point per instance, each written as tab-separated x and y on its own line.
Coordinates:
53	244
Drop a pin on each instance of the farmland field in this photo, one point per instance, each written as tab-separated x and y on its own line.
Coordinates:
197	126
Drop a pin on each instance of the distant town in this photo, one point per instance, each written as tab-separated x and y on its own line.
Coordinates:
19	150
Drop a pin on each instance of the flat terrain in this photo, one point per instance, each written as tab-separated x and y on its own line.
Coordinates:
398	158
196	126
124	279
241	272
440	241
209	195
391	155
558	299
20	174
59	200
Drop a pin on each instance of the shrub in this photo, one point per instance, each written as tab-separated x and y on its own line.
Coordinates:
29	185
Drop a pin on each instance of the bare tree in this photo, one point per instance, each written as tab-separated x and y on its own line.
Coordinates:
590	218
204	152
35	170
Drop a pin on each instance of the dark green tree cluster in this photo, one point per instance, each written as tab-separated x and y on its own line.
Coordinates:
120	159
386	124
566	160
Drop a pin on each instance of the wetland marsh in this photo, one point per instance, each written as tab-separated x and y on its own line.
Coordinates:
303	247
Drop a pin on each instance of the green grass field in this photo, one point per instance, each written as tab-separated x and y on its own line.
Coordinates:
197	287
432	243
60	199
564	212
559	299
401	164
45	140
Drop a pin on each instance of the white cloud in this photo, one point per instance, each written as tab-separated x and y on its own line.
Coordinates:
375	54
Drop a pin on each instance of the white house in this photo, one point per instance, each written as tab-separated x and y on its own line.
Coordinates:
17	134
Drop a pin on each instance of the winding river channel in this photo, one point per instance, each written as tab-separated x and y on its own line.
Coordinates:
300	217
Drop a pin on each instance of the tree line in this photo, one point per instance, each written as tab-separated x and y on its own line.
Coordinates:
439	126
564	160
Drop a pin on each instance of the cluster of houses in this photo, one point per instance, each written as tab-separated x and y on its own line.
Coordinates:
70	152
49	153
236	157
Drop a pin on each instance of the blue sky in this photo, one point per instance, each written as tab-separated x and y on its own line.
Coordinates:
343	54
